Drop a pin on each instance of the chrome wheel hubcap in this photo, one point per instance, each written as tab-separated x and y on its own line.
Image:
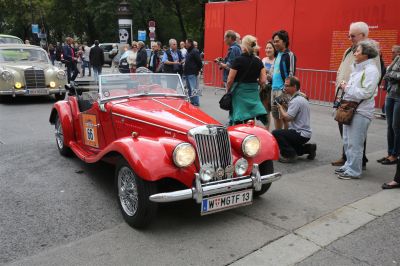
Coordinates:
127	190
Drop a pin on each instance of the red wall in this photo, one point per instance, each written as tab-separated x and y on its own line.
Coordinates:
311	25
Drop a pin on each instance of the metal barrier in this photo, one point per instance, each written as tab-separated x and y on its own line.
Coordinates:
319	85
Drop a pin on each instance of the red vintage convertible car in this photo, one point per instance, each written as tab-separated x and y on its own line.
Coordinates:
164	148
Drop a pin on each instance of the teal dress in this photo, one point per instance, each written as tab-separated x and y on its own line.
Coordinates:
246	104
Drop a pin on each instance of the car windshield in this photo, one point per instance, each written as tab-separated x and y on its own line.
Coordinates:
115	86
22	54
4	39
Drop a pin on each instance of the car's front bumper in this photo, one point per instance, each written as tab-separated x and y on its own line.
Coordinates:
25	92
199	191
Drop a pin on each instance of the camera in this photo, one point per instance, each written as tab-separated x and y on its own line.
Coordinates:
218	60
280	100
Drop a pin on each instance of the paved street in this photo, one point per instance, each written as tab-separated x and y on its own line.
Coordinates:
60	211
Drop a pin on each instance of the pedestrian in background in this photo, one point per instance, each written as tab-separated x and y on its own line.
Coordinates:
96	57
265	93
141	57
284	67
114	57
360	89
86	61
234	51
155	57
131	59
191	71
392	105
182	46
52	53
70	59
358	32
79	61
172	59
245	74
58	52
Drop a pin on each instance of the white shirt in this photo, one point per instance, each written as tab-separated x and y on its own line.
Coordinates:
362	85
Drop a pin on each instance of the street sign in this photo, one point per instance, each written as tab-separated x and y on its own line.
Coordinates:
141	35
152	29
152	23
35	28
42	35
152	36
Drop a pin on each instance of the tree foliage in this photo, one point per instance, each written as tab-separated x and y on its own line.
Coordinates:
88	20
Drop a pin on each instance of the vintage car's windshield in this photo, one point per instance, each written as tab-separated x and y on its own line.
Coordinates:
6	39
139	84
22	54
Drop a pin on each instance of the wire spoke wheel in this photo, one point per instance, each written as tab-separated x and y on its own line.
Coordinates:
127	191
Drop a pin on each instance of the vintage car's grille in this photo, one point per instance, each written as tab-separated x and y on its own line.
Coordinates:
34	78
213	147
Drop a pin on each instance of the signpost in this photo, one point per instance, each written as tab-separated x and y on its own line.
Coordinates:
152	30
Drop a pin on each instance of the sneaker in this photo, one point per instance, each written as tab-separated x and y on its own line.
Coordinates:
312	151
346	176
339	162
287	160
339	171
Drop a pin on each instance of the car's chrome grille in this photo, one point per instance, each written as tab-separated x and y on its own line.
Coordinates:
213	147
34	78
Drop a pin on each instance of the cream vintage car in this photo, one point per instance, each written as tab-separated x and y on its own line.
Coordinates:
27	71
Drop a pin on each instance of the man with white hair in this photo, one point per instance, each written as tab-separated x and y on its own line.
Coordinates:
172	58
358	32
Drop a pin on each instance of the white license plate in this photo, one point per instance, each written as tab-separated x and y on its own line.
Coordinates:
38	92
226	201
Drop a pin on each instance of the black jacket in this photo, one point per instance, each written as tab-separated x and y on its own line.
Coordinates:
193	62
141	58
96	56
171	68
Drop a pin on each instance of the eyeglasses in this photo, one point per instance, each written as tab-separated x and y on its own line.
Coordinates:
352	36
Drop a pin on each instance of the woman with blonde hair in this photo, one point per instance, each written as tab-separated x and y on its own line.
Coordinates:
131	59
246	73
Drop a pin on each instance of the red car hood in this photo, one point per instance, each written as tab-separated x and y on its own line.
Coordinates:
174	113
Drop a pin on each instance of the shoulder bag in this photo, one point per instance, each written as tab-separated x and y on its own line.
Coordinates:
225	103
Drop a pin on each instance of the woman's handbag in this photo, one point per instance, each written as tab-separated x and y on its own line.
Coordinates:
225	103
345	112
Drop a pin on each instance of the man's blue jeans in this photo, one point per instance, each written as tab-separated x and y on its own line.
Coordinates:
354	136
97	72
191	83
393	122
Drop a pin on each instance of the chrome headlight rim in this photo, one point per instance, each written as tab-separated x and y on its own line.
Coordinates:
243	165
61	74
179	148
245	148
7	76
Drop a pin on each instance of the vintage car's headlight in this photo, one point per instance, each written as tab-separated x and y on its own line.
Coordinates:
52	84
7	75
251	146
61	74
207	172
241	166
184	155
18	85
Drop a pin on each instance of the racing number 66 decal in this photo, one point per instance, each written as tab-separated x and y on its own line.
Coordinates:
89	125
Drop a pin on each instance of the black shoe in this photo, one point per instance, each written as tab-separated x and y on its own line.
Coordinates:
312	151
388	162
339	171
381	159
387	186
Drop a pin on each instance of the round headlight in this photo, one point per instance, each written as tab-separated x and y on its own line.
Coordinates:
7	75
18	85
207	172
184	155
241	166
251	146
52	84
61	74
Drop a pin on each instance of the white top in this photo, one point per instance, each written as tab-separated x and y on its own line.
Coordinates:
362	85
131	59
86	53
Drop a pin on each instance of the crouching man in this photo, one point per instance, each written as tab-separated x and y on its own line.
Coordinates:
292	141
